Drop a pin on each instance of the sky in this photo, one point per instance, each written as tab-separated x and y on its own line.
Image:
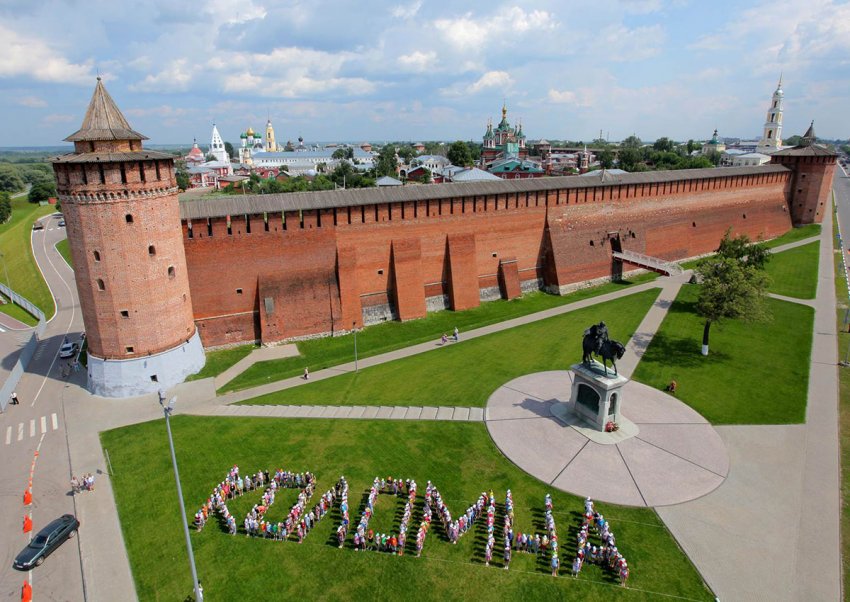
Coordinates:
424	69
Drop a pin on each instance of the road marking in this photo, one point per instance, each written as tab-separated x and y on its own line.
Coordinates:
20	431
8	435
55	421
32	427
43	424
2	329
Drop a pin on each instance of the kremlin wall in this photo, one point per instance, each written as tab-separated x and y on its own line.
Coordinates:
156	276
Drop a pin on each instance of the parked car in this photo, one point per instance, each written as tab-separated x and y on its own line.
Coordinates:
38	226
61	223
46	542
69	349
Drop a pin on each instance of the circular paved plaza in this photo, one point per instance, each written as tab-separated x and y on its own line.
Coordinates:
672	456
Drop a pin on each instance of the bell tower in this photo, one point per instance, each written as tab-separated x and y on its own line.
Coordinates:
123	222
771	139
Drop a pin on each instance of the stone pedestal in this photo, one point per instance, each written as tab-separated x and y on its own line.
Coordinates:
597	398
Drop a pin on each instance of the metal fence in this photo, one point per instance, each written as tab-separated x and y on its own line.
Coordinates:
29	348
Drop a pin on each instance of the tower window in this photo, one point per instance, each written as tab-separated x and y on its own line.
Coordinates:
97	255
100	285
770	134
156	164
125	313
154	378
171	272
142	171
128	349
238	291
129	218
151	250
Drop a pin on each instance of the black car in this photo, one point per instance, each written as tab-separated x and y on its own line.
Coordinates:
47	540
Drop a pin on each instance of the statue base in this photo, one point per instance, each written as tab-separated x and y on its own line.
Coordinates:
566	414
597	394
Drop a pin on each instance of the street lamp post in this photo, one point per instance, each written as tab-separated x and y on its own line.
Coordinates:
354	328
6	271
167	409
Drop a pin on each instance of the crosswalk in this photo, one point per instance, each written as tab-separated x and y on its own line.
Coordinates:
33	427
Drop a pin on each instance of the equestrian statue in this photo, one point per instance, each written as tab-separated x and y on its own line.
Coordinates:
596	342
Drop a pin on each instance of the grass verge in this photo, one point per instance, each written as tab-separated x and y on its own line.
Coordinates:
794	273
374	340
754	374
794	234
24	276
65	251
220	360
467	373
459	458
17	312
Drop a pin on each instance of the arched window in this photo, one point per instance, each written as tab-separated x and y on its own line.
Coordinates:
151	250
171	272
100	285
97	255
129	218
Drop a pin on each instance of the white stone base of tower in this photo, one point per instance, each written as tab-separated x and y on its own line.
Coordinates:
139	376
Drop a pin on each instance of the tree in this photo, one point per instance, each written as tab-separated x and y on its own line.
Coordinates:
5	207
229	149
459	154
631	142
41	191
474	150
10	178
339	154
182	178
629	158
606	158
692	146
210	157
793	140
663	144
406	153
733	284
387	164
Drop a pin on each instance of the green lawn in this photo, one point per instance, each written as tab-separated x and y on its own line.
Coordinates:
24	276
380	338
794	234
17	312
467	373
65	251
794	273
459	458
754	374
220	360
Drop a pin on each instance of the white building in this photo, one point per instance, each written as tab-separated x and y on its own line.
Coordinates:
771	140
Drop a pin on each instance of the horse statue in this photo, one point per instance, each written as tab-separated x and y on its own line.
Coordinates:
596	342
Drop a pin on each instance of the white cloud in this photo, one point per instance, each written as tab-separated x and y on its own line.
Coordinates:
29	56
501	80
472	32
407	11
621	43
55	118
160	111
418	61
31	101
565	97
176	77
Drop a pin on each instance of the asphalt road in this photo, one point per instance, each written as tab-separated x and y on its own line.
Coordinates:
38	425
841	185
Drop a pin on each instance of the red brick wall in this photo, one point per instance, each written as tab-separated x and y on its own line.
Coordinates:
809	187
324	269
509	278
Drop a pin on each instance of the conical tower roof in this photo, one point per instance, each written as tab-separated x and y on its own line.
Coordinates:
809	137
103	120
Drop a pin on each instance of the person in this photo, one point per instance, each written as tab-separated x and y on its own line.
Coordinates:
15	398
457	334
444	339
555	564
672	386
306	373
75	484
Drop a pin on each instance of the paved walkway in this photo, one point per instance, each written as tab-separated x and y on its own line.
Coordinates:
771	531
263	354
458	414
674	457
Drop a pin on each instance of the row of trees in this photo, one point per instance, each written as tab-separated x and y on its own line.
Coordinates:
663	154
5	206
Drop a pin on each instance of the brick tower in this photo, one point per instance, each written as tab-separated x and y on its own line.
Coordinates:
121	209
813	166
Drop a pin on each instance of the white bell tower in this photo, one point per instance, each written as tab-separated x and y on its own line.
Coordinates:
771	139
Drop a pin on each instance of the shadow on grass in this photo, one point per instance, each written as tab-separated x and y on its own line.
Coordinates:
686	352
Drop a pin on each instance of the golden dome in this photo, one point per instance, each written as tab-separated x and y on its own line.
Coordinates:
250	132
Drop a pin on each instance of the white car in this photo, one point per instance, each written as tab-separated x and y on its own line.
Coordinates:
68	350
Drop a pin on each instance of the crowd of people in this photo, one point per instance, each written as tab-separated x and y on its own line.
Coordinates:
606	555
298	522
455	529
86	483
366	539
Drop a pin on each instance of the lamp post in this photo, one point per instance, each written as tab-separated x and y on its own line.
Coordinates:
354	328
167	409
